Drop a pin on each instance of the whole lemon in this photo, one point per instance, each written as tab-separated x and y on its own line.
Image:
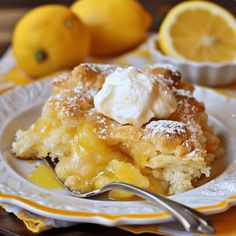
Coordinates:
50	38
115	25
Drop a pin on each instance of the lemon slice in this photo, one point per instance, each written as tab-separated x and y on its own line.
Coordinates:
199	31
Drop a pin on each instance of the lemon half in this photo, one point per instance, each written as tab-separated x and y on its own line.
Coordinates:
199	31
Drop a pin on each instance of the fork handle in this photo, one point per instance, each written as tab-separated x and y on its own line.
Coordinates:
190	219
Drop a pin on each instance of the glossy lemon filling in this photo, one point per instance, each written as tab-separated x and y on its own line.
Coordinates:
90	163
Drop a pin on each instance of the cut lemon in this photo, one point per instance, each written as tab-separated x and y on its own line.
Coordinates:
199	31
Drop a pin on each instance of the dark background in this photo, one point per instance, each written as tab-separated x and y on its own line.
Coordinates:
12	10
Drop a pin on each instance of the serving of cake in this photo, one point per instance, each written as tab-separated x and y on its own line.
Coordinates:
105	123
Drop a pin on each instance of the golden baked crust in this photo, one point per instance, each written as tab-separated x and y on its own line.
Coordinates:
165	156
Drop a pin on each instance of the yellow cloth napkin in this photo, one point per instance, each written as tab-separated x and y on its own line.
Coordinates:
11	75
224	224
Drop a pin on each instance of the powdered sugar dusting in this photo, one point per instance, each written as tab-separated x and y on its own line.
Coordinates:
182	92
167	80
90	93
67	104
70	102
103	127
101	120
61	78
99	68
168	127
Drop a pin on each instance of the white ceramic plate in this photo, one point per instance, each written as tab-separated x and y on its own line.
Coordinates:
21	106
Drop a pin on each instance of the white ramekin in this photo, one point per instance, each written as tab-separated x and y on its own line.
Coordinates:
202	73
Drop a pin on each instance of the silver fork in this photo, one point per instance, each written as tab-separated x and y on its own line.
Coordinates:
191	219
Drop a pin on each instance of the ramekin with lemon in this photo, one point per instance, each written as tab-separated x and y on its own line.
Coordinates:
199	38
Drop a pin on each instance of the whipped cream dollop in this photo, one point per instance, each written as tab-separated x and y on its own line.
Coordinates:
131	96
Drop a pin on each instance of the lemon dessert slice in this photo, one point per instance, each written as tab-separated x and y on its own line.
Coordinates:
105	123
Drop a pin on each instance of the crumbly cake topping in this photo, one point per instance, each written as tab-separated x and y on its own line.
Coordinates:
173	69
70	102
103	127
167	79
78	100
171	77
83	91
90	93
188	108
61	78
74	101
101	124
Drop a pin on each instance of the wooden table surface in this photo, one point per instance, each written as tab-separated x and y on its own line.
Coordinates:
10	12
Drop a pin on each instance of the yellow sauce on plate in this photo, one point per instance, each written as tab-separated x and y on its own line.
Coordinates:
44	177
